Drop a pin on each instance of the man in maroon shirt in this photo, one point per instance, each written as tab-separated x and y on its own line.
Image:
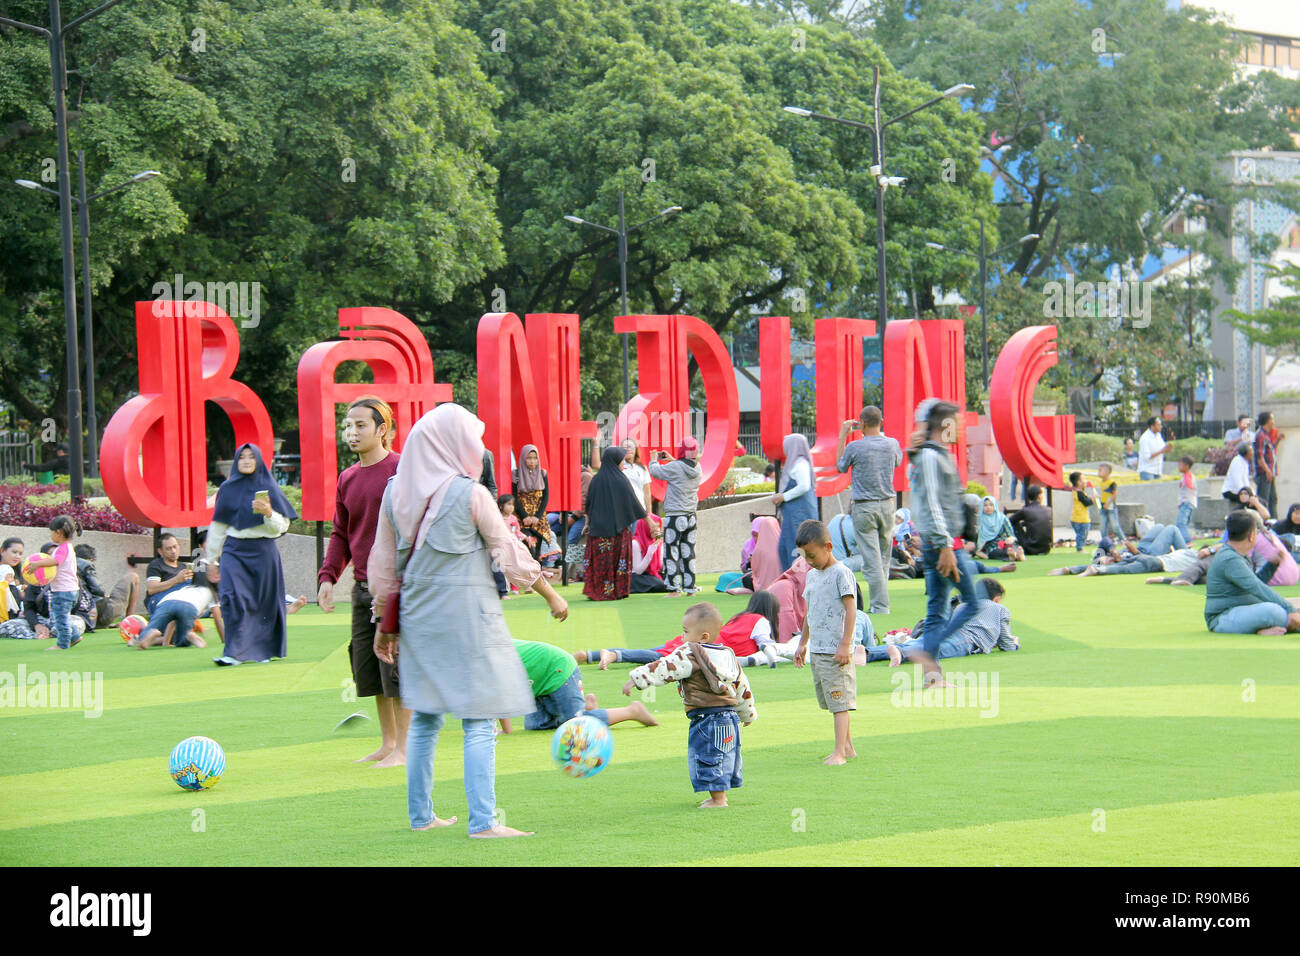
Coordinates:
368	430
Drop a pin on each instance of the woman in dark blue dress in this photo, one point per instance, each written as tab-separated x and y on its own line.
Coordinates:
251	512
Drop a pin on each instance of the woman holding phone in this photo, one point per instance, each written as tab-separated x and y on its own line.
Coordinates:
251	512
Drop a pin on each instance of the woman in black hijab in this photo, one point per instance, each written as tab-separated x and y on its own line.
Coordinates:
612	510
251	512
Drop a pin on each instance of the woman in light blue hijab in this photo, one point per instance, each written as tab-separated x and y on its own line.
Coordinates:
997	539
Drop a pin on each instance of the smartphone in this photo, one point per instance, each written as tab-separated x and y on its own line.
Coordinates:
262	494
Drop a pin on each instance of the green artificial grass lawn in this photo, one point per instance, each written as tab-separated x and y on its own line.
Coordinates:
1123	733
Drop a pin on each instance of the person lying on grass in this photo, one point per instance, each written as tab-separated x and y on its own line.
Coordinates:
557	691
751	635
1236	600
717	697
985	631
1175	562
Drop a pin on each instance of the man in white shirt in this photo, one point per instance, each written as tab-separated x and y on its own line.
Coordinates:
1151	451
1242	433
1238	473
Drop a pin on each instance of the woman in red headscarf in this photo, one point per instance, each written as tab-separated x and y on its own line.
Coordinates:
648	557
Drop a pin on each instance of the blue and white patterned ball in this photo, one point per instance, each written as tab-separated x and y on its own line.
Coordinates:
582	747
197	763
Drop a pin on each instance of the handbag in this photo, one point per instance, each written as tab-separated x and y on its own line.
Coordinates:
391	621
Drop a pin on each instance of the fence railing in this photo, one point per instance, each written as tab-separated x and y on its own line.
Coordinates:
16	450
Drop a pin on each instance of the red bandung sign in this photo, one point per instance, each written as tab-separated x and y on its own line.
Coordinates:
153	456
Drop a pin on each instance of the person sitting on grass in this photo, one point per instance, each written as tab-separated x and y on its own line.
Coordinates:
996	538
1236	600
118	603
174	622
648	557
1033	523
985	631
717	697
828	634
557	692
750	635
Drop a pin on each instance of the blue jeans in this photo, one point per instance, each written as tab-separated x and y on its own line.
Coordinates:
182	612
626	655
953	646
1249	618
1147	475
936	629
1184	519
61	604
480	769
1110	524
713	749
1016	481
561	704
1081	529
1162	539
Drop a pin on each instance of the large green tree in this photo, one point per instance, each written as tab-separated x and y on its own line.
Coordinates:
331	152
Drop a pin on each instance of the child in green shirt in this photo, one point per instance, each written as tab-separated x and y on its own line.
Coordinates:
557	691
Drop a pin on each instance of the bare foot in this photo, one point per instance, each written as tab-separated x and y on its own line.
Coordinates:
1156	580
642	715
198	641
675	594
834	760
499	831
580	656
850	752
1180	584
1089	571
434	824
297	605
895	655
1056	571
379	754
607	658
711	804
939	682
395	759
1007	568
859	655
1271	631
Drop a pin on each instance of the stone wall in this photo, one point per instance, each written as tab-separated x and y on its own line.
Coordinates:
297	553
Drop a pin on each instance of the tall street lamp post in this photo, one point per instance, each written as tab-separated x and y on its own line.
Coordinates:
622	232
983	258
83	209
58	71
877	128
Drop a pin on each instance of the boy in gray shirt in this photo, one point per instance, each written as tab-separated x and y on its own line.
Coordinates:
828	633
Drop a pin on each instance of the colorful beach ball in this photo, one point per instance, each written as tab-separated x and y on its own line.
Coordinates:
42	576
582	747
132	626
197	763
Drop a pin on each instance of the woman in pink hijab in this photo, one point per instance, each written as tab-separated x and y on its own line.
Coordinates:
758	541
438	532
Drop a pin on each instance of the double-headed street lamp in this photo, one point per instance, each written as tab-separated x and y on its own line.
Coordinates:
55	34
983	257
83	208
877	127
622	232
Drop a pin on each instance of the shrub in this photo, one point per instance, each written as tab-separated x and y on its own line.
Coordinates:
1220	458
752	462
1198	448
1089	446
975	488
17	508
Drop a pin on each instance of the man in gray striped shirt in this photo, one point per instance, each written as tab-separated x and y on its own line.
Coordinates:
987	629
873	458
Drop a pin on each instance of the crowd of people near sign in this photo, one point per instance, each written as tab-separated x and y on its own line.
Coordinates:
426	532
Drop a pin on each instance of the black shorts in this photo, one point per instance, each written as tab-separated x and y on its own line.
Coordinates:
371	675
